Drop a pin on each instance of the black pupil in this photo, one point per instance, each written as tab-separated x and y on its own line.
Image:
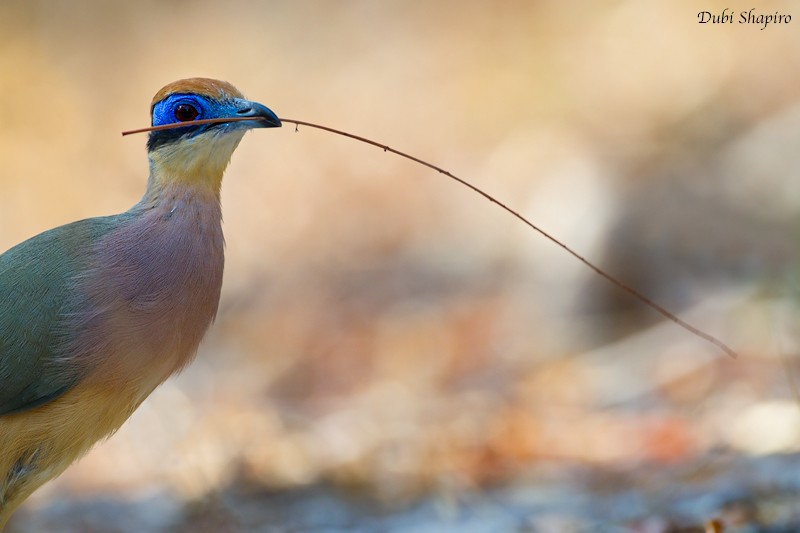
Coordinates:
185	113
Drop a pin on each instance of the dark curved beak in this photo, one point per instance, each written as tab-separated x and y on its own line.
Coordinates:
264	116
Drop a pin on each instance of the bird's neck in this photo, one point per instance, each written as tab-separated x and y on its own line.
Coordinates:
161	192
196	164
163	268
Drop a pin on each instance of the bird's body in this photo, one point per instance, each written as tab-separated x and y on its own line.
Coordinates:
94	315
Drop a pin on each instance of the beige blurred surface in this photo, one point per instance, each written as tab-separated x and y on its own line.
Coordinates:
381	327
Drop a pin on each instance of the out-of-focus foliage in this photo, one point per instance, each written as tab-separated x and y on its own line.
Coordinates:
385	332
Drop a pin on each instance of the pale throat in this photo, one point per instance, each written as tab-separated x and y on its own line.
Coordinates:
198	162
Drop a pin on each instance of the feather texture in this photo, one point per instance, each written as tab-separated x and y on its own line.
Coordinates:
129	310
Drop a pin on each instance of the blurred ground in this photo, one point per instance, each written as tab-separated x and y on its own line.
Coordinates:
393	353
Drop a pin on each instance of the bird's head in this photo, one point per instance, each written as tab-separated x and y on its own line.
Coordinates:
199	153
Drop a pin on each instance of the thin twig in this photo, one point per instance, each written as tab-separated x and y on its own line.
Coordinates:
190	123
614	281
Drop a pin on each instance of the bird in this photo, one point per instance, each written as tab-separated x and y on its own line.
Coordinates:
95	314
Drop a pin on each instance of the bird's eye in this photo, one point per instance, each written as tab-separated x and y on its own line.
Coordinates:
185	113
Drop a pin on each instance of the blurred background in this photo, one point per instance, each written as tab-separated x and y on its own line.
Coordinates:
394	353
